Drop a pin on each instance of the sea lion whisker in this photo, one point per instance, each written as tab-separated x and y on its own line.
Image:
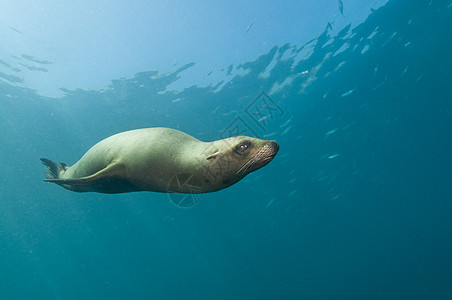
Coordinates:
249	166
259	156
244	166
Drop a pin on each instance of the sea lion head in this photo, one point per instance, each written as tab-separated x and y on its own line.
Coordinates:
234	158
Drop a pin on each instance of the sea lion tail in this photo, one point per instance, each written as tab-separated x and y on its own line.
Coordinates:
54	169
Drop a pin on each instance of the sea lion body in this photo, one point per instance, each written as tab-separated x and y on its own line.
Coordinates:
162	160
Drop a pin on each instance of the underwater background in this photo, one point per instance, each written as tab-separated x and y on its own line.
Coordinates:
356	205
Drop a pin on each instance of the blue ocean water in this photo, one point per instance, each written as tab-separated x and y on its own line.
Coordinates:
356	205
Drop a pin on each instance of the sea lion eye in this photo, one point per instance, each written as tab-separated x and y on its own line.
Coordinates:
242	147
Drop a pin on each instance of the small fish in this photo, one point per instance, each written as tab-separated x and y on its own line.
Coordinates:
216	109
263	119
292	193
348	93
249	26
341	7
286	131
404	70
330	132
286	123
375	70
270	134
348	125
14	29
270	203
230	112
333	156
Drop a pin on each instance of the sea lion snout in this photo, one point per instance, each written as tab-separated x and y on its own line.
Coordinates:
275	146
271	149
267	152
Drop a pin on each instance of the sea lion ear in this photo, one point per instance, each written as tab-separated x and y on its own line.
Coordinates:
213	155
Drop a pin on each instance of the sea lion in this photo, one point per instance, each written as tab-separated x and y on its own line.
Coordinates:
162	160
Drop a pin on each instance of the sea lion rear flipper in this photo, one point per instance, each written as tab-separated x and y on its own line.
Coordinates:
109	180
78	181
54	170
107	172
